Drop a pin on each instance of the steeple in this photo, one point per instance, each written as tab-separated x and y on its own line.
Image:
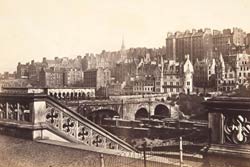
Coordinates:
123	53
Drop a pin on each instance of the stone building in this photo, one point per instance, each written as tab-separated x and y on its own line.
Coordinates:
233	71
144	85
197	44
188	72
52	77
247	41
74	77
228	42
33	71
201	44
22	71
97	78
172	81
204	75
173	77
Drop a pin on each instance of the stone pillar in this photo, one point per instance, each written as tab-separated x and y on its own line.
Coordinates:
39	111
216	127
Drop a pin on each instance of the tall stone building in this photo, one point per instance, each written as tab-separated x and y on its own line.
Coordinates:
201	44
228	42
197	44
170	47
247	41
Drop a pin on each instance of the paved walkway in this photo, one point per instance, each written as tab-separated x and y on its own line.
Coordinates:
16	152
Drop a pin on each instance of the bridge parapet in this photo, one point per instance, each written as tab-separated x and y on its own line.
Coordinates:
229	123
46	118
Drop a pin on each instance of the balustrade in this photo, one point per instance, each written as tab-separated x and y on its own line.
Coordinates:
229	123
72	126
13	110
45	113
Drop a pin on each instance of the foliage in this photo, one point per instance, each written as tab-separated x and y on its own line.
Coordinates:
243	91
192	105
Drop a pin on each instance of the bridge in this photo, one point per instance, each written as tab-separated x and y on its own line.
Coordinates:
129	107
41	117
125	107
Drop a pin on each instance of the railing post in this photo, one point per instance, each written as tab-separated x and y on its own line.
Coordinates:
102	160
144	154
7	110
18	111
181	153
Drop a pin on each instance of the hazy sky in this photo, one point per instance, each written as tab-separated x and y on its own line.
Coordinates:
32	29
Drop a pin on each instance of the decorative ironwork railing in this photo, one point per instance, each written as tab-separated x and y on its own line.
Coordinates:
58	117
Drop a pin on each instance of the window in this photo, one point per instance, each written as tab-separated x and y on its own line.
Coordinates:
171	83
188	83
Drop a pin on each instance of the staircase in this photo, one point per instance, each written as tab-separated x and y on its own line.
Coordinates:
48	119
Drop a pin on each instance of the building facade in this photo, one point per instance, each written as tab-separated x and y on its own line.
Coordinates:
204	75
52	78
74	77
197	44
98	78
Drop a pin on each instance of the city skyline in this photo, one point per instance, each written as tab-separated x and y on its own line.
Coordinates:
32	30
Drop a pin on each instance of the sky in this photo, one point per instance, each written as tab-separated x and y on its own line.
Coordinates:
33	29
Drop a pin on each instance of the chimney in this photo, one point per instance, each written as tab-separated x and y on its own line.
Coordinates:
169	34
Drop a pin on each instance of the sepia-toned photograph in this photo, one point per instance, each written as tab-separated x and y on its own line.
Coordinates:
124	83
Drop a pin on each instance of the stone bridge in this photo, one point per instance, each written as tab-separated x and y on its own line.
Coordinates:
125	108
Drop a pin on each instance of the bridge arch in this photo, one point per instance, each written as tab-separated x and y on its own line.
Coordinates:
162	111
141	113
98	116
